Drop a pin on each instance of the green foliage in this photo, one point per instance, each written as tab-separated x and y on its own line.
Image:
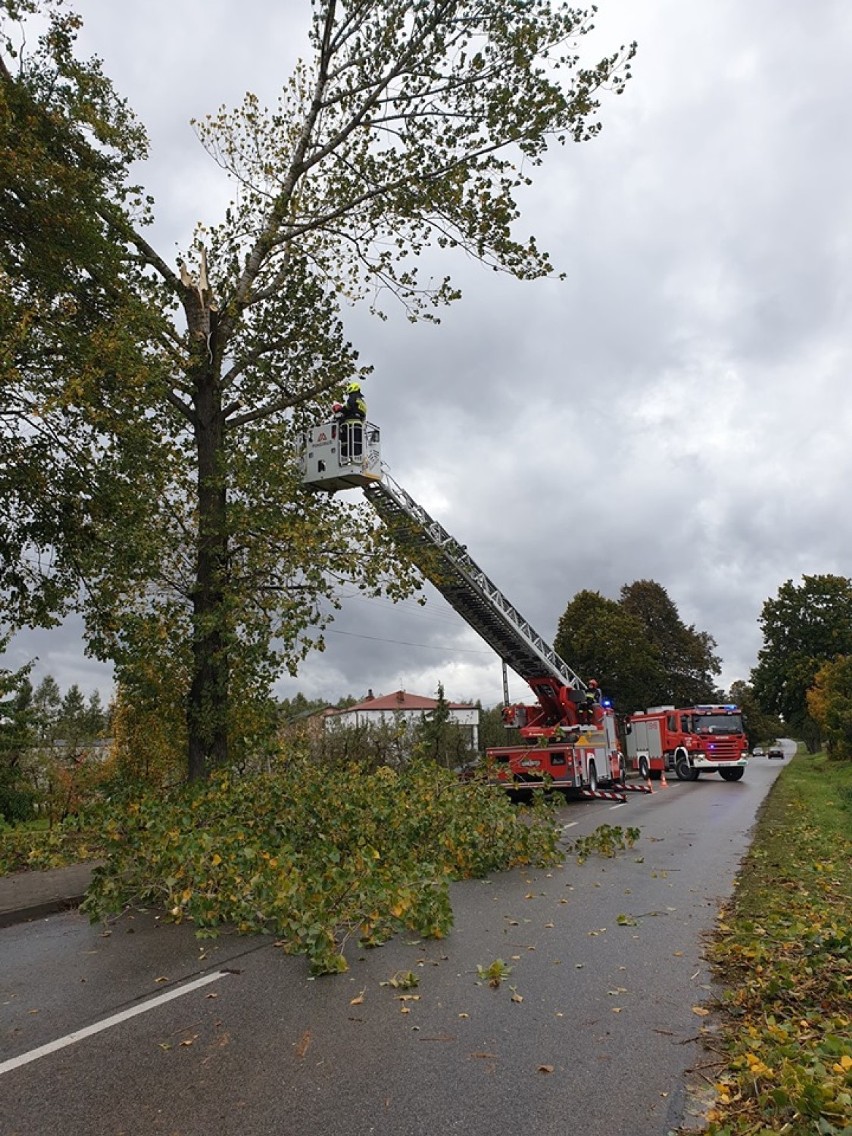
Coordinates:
17	795
313	860
759	726
638	648
830	704
27	848
804	626
369	744
601	640
606	840
784	954
494	973
687	655
492	732
439	738
410	126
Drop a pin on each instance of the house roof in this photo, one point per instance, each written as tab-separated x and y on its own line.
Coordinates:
402	700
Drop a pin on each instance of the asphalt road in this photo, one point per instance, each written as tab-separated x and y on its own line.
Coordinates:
594	1031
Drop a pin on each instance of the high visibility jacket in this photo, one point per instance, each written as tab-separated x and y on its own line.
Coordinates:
354	407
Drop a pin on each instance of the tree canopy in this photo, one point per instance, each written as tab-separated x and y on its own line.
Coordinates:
688	658
637	648
759	726
805	626
830	705
601	640
153	411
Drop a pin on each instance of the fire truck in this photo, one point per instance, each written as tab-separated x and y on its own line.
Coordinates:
687	741
564	741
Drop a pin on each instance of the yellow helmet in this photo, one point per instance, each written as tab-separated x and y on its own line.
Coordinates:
353	388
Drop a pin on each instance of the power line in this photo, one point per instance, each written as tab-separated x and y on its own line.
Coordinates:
405	643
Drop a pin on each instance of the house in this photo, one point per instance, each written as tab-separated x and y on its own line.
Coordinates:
401	705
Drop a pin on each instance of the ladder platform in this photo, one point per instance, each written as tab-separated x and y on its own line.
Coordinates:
342	455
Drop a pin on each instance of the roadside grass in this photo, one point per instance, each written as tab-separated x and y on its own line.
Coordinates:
783	951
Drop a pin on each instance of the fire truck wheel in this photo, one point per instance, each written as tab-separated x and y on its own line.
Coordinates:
593	776
644	768
684	770
731	774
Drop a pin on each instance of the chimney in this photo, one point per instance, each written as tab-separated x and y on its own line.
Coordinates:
400	696
370	696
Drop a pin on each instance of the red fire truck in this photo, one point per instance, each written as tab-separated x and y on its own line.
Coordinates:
688	741
565	742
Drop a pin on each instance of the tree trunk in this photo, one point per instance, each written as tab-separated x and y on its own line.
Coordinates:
207	709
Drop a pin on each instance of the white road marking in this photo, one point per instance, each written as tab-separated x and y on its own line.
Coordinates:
107	1023
620	805
571	824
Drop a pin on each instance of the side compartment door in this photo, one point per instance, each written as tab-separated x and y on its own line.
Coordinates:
655	742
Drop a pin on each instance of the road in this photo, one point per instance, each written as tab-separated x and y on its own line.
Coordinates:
594	1031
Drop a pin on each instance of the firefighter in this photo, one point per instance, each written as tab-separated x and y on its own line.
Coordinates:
591	699
351	416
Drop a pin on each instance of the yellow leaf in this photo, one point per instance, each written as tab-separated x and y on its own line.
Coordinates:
700	1011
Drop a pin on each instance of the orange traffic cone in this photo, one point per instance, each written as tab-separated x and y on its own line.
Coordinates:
663	782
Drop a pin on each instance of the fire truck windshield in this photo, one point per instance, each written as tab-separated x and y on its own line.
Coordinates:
718	723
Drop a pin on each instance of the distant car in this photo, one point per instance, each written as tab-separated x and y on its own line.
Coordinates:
776	751
757	751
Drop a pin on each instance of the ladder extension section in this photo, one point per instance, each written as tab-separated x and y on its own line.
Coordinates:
446	564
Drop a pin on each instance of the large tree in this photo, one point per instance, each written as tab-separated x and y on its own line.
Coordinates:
16	737
638	648
154	408
600	640
687	655
805	626
760	726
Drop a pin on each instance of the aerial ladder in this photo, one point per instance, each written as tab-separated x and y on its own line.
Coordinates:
565	742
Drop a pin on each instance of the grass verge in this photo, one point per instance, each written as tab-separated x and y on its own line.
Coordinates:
783	951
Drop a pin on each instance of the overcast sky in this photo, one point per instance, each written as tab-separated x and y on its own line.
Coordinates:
677	409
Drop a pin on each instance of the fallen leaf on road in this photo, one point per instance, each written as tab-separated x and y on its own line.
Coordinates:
546	1068
701	1011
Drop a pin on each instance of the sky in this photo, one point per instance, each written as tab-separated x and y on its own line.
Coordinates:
677	408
